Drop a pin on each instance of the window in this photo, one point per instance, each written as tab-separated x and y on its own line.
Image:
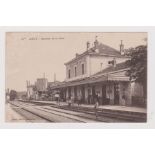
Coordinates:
82	69
69	73
75	72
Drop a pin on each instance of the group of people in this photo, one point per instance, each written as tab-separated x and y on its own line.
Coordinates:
70	100
91	99
96	100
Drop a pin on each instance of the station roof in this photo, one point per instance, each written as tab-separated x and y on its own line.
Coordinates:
118	67
100	50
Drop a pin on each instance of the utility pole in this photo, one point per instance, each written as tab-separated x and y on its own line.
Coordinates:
44	82
54	77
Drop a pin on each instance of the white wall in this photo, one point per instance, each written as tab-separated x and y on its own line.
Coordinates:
92	65
95	63
78	63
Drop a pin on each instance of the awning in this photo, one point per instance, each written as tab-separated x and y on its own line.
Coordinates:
118	78
95	79
82	82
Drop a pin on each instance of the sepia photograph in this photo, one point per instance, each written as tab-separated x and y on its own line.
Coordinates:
76	77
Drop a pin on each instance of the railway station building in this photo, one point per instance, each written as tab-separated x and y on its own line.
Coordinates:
100	69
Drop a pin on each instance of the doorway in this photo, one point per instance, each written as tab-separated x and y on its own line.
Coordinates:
93	94
104	94
83	93
116	93
75	93
69	92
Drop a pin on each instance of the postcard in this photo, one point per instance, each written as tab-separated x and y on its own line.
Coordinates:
78	78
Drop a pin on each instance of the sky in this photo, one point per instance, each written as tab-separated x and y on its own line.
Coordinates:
31	54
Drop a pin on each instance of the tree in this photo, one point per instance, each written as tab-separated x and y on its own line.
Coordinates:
49	91
13	95
138	66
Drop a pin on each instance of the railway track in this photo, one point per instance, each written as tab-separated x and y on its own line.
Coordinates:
29	117
104	115
49	114
87	115
56	113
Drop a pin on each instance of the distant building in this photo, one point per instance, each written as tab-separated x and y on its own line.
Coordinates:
31	93
41	84
38	90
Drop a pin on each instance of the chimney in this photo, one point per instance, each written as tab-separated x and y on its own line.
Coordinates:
88	45
54	77
122	48
95	42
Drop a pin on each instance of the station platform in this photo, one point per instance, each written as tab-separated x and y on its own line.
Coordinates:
11	115
126	113
101	107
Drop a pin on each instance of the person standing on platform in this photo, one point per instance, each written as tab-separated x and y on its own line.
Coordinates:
70	100
79	99
96	99
57	97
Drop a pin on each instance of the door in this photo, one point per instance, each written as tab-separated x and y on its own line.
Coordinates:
116	93
93	94
83	93
103	94
75	93
69	92
64	94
